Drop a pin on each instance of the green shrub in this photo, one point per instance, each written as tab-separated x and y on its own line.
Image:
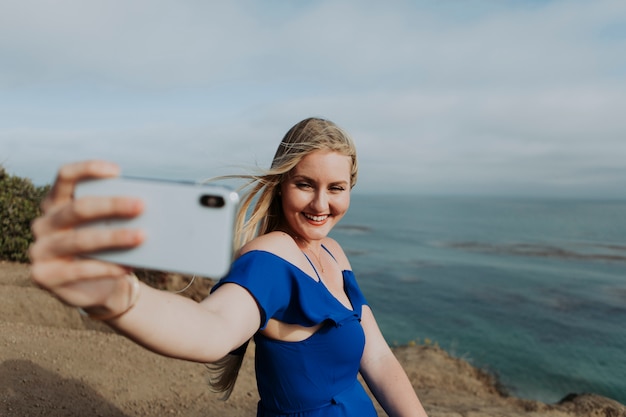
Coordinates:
19	205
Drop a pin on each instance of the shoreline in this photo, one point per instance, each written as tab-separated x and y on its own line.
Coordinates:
54	362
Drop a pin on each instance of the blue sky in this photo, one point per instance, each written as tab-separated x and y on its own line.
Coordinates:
445	97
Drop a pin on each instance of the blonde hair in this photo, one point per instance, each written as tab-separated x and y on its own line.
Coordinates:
305	137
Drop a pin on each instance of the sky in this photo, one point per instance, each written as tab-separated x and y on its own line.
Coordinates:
512	98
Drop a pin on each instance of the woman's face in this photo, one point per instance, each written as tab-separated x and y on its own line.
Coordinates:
316	194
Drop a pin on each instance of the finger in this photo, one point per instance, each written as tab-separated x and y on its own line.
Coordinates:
76	242
62	272
84	210
69	175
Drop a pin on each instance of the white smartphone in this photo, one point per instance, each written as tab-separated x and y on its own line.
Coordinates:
188	226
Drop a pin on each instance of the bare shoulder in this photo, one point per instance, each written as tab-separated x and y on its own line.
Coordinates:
278	243
337	251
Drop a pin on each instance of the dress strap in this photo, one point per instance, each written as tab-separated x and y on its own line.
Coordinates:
329	252
313	266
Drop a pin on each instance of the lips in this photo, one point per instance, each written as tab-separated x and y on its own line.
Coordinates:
316	219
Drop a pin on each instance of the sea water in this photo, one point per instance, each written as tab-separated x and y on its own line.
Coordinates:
532	290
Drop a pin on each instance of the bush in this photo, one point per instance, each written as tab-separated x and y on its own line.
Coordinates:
19	204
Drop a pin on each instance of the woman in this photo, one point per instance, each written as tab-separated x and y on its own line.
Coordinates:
291	286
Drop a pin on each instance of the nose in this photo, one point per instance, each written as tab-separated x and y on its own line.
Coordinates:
319	204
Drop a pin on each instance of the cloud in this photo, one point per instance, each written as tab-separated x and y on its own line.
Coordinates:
496	97
136	44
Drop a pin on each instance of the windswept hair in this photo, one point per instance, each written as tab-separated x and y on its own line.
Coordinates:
261	212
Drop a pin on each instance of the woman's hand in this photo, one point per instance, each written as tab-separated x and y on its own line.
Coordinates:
57	265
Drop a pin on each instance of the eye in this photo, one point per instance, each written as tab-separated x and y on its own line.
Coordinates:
303	185
337	188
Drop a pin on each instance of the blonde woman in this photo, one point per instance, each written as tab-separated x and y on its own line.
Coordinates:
291	287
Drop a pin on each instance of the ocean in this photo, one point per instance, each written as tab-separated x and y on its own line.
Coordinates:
531	290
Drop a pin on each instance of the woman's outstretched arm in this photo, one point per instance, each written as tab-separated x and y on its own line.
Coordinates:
166	323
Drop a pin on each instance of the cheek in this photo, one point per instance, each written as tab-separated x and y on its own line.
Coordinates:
342	205
292	201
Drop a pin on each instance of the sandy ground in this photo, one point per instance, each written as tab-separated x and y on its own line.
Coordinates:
53	362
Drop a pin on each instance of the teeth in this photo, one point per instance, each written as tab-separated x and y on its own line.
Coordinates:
316	218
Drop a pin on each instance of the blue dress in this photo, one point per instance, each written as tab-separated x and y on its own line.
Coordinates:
316	376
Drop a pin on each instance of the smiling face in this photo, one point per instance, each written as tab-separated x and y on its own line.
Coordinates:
316	194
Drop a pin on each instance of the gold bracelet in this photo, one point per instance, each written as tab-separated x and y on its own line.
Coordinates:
133	296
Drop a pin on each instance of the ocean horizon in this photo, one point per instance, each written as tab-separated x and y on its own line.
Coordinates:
529	289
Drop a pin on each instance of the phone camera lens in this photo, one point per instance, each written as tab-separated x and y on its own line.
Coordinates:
212	201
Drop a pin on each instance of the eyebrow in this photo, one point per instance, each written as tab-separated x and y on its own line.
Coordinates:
309	179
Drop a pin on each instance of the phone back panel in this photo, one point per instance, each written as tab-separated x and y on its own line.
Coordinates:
188	227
